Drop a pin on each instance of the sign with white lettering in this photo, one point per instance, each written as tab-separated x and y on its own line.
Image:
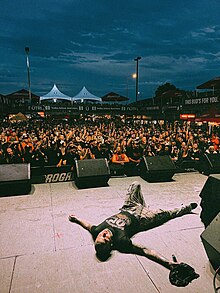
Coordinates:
58	177
204	100
51	174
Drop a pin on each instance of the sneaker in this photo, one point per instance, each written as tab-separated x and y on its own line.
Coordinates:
134	187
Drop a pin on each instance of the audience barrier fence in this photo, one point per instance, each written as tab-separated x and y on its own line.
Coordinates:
52	174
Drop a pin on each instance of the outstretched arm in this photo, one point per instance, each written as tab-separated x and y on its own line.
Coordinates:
154	256
82	223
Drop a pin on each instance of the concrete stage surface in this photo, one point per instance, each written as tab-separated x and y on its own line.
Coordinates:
42	252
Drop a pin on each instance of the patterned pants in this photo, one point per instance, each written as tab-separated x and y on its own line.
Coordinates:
148	219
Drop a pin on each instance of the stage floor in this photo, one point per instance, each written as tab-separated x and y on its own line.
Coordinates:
42	252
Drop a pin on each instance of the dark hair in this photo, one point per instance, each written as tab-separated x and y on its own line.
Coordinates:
103	256
103	251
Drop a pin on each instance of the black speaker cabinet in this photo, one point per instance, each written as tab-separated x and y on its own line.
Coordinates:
211	241
15	179
91	173
210	199
210	164
158	168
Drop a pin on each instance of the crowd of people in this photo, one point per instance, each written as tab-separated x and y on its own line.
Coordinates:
122	143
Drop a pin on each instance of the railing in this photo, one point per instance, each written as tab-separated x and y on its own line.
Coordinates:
51	174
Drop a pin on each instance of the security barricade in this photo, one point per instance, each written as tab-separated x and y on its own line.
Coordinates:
51	174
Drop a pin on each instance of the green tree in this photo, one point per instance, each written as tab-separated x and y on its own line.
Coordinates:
164	88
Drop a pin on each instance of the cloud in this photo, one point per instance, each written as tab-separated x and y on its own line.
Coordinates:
204	32
95	42
208	30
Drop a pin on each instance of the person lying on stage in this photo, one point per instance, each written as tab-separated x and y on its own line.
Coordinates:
116	231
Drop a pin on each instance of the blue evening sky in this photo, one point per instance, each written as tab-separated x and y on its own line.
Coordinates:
93	43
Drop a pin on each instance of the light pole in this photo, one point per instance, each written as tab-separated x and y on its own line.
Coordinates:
137	59
28	70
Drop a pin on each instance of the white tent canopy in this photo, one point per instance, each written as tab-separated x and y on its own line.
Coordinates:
84	94
55	94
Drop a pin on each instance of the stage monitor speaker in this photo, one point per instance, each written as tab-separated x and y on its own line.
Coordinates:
15	179
211	241
91	173
158	168
210	164
210	199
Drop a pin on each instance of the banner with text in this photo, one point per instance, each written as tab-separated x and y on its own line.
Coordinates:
51	174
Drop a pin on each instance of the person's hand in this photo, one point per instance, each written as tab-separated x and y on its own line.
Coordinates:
173	264
73	218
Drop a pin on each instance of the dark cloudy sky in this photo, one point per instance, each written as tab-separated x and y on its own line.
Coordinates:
94	42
